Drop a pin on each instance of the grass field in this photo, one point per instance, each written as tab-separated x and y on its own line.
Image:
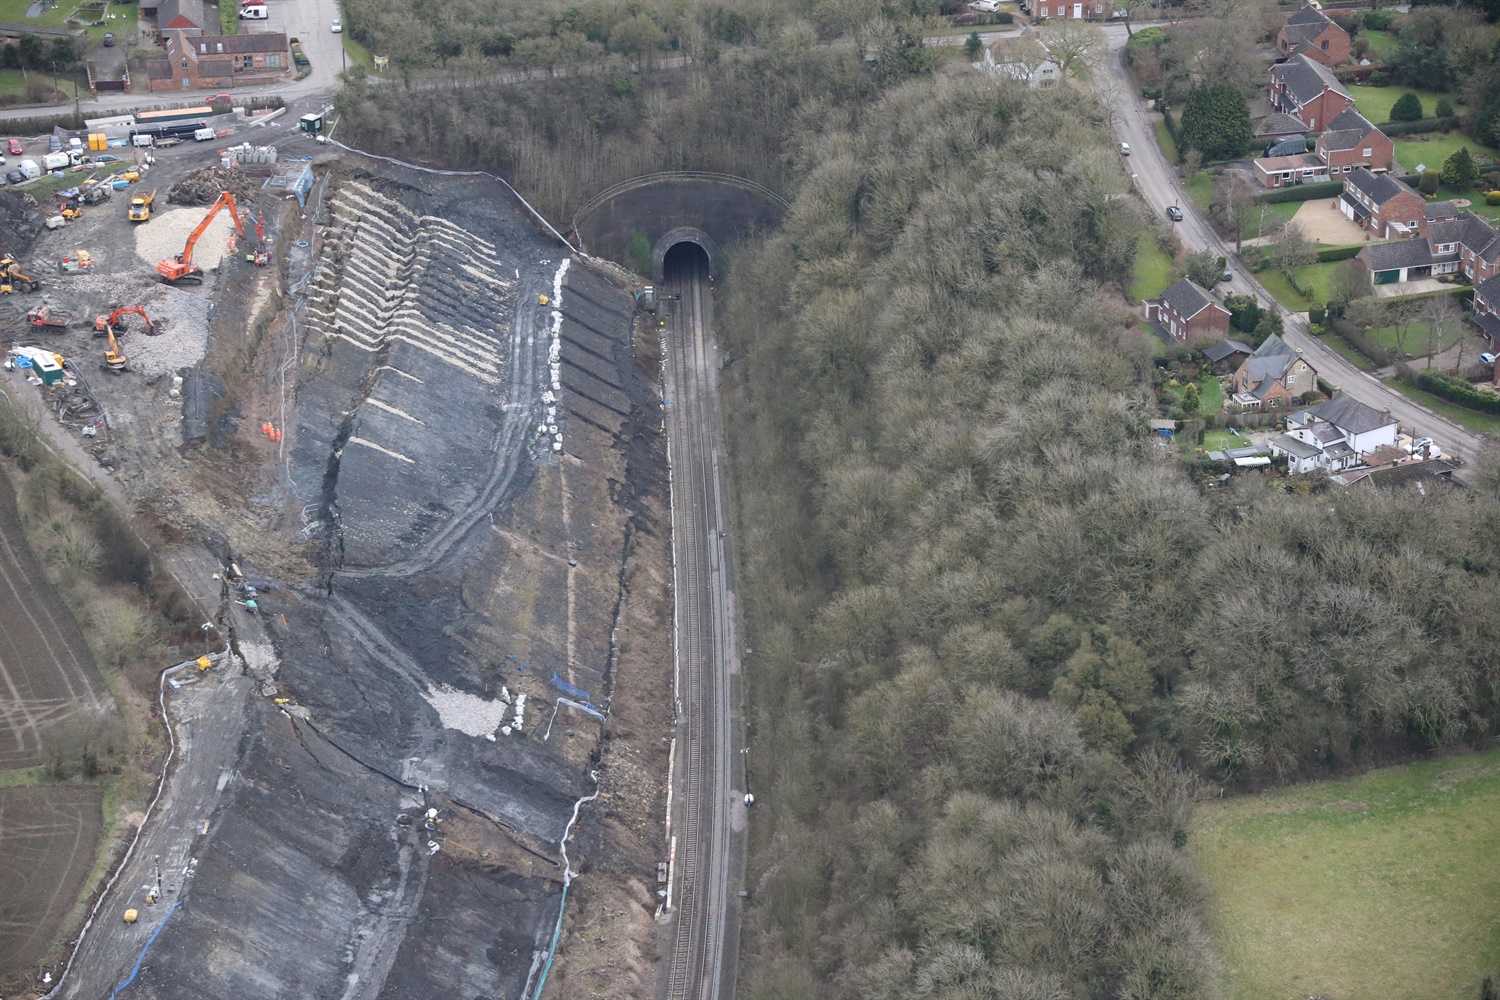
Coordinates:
123	18
1152	269
1375	103
1210	395
1379	886
1165	138
1315	278
1483	423
1382	43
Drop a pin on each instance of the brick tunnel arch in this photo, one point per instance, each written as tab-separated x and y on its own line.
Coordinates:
683	234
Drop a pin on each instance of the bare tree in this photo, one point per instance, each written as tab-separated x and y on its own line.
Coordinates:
1350	282
1074	43
1292	249
1400	314
1442	318
1203	267
1236	203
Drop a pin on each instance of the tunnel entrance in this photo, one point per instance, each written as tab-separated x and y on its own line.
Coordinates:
684	260
681	241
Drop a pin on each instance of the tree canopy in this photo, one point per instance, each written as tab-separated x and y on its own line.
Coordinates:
1216	122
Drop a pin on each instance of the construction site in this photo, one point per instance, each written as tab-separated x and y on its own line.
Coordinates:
421	441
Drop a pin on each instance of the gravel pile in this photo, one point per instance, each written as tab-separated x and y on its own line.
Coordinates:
260	658
181	316
468	713
165	235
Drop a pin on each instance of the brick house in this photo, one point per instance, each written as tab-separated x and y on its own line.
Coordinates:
1273	377
1312	33
1351	142
219	61
179	15
1283	171
1383	205
1227	355
1487	309
1092	10
1187	313
1308	90
1466	244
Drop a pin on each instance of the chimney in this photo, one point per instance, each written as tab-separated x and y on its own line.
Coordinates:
1385	414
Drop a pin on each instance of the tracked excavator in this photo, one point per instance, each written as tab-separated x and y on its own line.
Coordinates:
114	361
12	280
115	322
181	269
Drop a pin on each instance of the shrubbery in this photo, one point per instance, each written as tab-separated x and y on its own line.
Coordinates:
1408	108
1301	192
1329	254
1457	390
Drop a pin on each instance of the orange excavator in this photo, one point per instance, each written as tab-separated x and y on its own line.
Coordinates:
115	321
181	269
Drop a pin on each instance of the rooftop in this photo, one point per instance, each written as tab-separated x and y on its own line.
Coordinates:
1305	79
1379	188
1397	254
1347	414
1186	299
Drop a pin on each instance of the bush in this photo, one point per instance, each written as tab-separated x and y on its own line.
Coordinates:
1429	181
1378	20
1457	390
1493	198
1380	78
1301	192
1444	108
1004	17
1355	338
1407	109
1331	254
1420	127
1151	93
1315	314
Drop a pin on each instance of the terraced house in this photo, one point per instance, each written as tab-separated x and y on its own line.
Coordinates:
1314	34
1308	90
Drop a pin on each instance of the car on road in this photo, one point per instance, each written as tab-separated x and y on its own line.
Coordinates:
14	145
985	6
337	26
1174	213
1227	275
218	99
1124	149
1486	358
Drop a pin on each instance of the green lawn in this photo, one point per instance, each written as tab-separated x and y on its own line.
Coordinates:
1416	339
123	18
1221	440
1375	103
1379	886
358	54
1210	395
1382	43
1265	220
1152	270
1483	423
13	81
1314	277
1432	148
1165	139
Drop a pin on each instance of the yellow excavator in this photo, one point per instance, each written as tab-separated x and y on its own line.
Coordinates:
140	207
12	280
71	210
114	361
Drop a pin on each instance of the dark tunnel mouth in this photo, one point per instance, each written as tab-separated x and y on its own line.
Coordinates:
682	254
678	243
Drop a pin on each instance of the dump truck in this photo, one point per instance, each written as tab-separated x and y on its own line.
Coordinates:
46	318
140	207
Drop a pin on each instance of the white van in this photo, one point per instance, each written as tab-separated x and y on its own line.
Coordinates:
256	13
204	134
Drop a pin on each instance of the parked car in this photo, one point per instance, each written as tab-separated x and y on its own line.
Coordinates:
1174	213
218	99
109	39
106	158
1486	358
14	145
14	177
1124	149
1228	274
985	6
337	26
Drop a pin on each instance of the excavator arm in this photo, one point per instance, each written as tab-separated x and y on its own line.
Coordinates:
182	267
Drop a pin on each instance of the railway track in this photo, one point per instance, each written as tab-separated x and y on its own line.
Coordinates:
705	929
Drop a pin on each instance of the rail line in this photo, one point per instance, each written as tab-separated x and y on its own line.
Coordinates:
705	922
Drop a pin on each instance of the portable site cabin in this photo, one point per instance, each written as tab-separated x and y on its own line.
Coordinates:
42	361
312	123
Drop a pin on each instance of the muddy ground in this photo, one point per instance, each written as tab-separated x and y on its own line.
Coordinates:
455	493
48	839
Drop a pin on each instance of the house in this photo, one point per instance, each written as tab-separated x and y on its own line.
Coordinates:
1313	34
1382	204
1092	10
1309	91
1227	355
1487	309
1432	472
1272	377
180	15
1276	126
1351	142
1333	436
1187	313
196	61
1466	244
1284	171
1441	211
1025	58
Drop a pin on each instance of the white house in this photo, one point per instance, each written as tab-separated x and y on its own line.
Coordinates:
1023	57
1334	436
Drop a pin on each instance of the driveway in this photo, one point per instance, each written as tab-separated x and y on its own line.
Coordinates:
1324	223
1157	183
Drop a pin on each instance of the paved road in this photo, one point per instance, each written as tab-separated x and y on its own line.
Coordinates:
709	814
1158	184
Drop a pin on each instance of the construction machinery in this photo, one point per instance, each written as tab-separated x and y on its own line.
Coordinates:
115	321
114	361
13	280
181	269
140	207
70	211
45	317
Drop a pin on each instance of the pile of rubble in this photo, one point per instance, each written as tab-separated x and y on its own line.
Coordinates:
204	186
166	234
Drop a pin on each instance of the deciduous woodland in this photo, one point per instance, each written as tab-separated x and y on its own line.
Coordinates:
1000	642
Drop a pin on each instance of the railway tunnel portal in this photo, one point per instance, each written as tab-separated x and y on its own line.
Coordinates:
638	222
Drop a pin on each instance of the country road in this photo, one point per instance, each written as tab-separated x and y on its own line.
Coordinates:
709	820
1156	181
